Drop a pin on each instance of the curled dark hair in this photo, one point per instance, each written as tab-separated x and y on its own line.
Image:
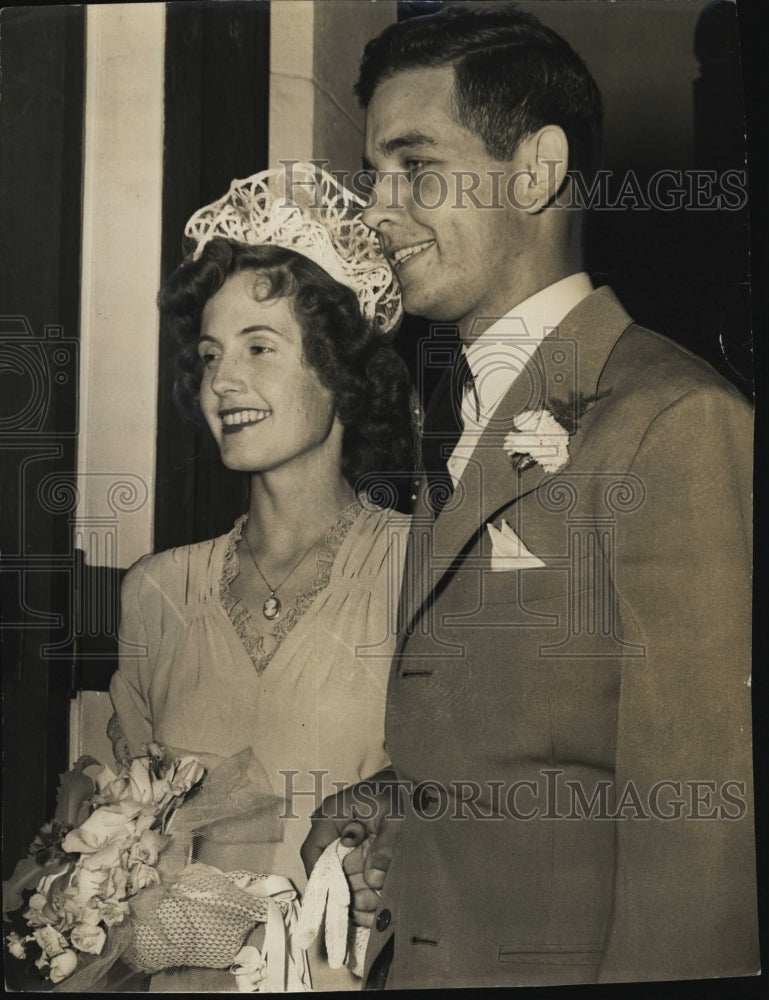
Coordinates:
512	76
369	381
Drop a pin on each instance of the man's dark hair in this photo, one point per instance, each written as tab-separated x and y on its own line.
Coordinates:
512	76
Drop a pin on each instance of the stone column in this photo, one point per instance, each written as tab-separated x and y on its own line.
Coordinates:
315	49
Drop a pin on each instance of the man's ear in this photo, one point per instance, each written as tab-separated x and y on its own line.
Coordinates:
546	157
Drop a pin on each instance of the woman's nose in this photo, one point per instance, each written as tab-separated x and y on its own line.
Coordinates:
386	201
227	376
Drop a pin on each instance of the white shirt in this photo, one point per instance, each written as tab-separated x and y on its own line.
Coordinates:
502	351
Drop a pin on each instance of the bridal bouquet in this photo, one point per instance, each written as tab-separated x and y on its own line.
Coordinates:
112	877
102	849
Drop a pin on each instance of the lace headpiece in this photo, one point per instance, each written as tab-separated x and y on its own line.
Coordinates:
318	218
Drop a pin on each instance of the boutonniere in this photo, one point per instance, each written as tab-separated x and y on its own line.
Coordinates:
541	437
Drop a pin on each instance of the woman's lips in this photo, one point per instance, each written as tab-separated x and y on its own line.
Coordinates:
236	420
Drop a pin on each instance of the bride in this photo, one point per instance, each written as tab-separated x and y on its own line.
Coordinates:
277	635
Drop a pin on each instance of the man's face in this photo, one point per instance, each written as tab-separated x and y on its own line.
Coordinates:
455	259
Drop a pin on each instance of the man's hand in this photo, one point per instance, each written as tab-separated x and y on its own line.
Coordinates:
366	817
367	864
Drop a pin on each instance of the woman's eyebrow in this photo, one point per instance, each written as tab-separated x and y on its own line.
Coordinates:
257	328
261	328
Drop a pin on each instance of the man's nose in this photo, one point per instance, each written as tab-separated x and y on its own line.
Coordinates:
387	199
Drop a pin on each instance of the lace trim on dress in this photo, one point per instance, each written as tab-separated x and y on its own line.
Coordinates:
120	745
239	614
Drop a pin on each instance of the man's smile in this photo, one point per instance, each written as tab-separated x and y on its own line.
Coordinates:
399	257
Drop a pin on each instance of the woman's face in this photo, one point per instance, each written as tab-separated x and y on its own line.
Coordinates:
266	408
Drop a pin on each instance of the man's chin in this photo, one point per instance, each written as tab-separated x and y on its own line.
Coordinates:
425	300
428	307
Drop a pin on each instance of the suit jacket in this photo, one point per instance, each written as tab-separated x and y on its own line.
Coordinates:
574	740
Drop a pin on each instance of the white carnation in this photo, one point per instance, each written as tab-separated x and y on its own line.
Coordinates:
539	435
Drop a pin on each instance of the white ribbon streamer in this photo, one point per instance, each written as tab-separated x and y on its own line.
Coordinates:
281	966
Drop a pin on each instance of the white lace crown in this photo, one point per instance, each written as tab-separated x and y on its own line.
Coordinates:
320	219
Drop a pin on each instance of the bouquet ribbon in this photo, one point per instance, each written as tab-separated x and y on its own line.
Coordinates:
328	895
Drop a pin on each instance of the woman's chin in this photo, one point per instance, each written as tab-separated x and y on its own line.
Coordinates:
238	460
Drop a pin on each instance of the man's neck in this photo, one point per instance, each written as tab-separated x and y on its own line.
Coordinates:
471	327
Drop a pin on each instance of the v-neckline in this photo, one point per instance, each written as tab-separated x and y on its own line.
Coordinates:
240	615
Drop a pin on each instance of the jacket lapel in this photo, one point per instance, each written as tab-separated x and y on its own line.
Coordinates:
571	357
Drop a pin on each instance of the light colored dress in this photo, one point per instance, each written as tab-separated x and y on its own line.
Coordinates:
193	675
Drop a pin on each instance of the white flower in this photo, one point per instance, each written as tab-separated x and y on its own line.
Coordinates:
86	883
147	848
16	944
47	905
62	965
140	781
143	876
89	938
49	939
539	436
104	827
104	860
187	773
112	788
113	911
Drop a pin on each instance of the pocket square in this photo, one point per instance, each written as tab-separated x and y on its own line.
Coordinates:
508	551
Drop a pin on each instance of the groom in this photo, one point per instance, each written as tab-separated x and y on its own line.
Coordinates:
568	712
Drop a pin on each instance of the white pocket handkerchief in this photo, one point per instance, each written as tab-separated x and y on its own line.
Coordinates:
508	552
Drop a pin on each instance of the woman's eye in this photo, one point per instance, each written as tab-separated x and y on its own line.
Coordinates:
258	349
207	357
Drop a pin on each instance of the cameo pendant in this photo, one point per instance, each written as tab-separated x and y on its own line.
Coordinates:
271	608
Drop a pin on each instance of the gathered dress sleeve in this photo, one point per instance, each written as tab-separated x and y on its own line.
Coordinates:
131	726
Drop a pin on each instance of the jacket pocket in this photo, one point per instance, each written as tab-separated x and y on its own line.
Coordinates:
555	954
529	586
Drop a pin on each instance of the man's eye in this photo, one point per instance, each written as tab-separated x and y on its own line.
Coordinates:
414	166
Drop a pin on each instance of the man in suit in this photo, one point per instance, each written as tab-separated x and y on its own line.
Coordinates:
568	712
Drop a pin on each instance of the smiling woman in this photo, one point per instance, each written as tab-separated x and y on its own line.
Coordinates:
267	409
277	636
263	328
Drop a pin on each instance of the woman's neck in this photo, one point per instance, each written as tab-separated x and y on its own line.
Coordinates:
285	517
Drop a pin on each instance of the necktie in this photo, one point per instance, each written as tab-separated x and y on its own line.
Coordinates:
443	428
464	383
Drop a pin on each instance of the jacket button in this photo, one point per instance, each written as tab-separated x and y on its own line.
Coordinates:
423	801
383	919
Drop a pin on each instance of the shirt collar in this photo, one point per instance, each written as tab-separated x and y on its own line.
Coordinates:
532	319
502	351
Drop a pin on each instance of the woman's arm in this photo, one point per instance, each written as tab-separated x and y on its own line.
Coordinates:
131	726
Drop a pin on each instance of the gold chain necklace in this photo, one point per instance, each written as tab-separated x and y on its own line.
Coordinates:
272	607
